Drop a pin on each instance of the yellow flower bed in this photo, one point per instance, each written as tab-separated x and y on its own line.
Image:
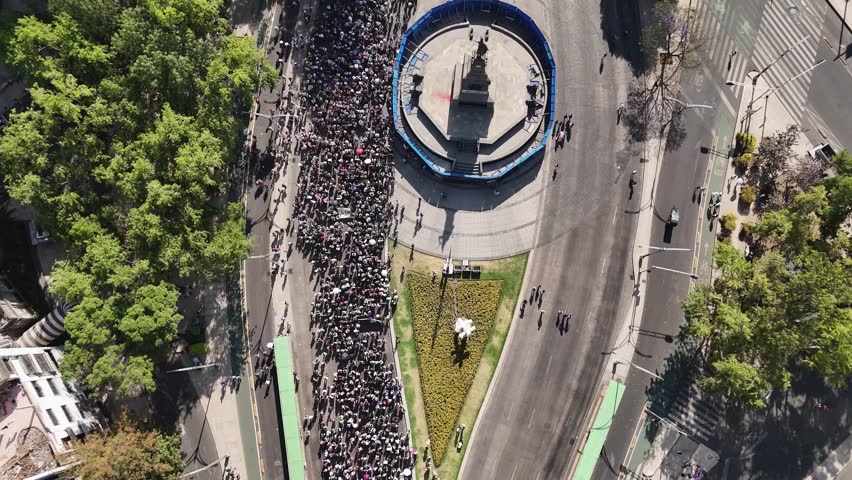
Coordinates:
447	366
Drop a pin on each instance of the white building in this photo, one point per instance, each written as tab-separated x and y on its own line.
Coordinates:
60	406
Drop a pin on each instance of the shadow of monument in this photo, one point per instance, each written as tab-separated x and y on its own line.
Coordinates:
449	224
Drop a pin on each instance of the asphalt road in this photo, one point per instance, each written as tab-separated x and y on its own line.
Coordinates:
681	171
685	168
828	95
549	377
261	323
260	320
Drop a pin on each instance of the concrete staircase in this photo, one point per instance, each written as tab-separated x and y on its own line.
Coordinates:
468	146
467	168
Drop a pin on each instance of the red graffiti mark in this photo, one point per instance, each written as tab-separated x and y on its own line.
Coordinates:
443	96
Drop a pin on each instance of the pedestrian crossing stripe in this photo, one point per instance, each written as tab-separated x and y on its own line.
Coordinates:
781	25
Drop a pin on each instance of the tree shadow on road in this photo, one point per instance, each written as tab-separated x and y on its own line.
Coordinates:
792	435
679	373
621	28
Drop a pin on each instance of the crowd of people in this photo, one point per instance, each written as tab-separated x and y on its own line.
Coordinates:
342	214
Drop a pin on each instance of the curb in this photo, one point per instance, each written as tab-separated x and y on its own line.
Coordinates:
499	368
398	370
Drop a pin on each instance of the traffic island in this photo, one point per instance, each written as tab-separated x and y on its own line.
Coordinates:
445	378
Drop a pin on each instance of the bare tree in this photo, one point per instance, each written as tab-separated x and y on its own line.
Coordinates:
774	154
804	172
668	44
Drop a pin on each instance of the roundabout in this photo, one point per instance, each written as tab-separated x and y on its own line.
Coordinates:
473	90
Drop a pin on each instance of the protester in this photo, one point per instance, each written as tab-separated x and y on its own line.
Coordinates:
346	166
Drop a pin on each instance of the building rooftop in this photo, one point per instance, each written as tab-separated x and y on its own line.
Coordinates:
34	400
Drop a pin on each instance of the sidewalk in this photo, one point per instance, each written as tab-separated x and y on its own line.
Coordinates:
843	10
770	118
837	465
221	409
673	454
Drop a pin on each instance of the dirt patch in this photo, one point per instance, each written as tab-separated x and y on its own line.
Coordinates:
32	455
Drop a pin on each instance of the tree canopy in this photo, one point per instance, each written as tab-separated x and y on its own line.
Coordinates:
130	453
791	304
124	152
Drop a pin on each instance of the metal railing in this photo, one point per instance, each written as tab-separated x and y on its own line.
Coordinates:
523	24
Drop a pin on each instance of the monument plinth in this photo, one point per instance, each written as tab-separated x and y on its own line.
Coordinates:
473	78
472	93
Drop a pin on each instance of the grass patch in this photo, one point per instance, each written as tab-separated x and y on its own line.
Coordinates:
448	364
511	272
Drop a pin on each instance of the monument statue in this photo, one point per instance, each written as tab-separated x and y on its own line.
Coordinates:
474	77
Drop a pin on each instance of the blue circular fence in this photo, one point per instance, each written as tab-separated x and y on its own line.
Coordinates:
521	24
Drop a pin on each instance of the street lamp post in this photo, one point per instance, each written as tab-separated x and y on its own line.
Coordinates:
221	460
773	62
637	367
691	275
655	250
770	90
197	367
685	106
666	249
779	87
267	255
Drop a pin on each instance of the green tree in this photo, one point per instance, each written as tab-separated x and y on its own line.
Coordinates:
831	352
122	324
130	452
840	206
736	380
130	133
842	162
758	316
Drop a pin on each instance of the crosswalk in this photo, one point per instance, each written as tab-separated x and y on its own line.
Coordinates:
721	37
760	31
689	411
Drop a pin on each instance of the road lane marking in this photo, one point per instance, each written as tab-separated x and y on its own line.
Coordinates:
602	267
537	476
513	471
546	369
510	411
614	213
529	425
492	470
526	357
